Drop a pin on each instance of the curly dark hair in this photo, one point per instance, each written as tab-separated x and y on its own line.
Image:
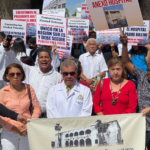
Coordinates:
141	51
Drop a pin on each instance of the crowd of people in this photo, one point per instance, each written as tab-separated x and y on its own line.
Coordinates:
35	83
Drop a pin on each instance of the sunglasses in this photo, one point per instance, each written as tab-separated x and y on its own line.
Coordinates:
18	74
66	73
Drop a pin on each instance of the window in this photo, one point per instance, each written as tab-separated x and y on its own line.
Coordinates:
59	6
64	5
88	131
76	134
71	134
96	141
81	132
67	135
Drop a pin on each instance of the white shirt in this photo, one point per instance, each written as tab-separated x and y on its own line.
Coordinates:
20	55
3	65
78	103
120	49
92	65
55	61
39	81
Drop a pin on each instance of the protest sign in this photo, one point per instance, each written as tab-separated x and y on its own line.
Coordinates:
109	14
53	4
114	132
71	8
85	14
64	53
79	28
108	36
138	35
15	28
55	12
51	30
28	15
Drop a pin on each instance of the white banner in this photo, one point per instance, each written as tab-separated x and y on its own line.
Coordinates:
28	15
55	12
114	132
79	28
51	30
138	35
15	28
108	36
109	14
64	53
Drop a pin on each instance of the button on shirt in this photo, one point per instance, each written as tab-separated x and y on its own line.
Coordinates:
92	65
78	103
39	81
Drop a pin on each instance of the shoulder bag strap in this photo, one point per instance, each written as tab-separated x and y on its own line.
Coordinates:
29	94
101	86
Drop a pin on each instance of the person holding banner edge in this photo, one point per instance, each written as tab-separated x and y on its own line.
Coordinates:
143	86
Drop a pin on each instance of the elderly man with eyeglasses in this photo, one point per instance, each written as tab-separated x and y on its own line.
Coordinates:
69	98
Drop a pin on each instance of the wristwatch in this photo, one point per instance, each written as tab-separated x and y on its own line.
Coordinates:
112	49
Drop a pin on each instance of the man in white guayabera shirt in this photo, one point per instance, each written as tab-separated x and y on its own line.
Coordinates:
40	78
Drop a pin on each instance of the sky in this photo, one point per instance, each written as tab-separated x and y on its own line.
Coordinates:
72	5
113	7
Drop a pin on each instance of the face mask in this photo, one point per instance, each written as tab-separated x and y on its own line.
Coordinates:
31	47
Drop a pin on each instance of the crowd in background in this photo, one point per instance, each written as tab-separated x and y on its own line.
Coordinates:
35	83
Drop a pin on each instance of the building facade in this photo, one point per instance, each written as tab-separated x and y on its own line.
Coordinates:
56	4
99	134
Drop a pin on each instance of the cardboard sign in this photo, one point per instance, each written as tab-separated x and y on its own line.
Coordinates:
28	15
79	28
53	4
138	35
85	14
110	132
64	53
108	36
15	28
55	12
51	30
109	14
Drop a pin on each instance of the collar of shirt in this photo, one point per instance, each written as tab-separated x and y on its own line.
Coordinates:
88	54
68	87
48	73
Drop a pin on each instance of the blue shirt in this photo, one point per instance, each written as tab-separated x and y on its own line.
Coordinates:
139	61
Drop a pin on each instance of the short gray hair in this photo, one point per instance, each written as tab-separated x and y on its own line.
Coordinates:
91	39
67	63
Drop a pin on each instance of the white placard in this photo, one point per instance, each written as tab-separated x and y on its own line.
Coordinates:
79	28
28	15
138	35
15	28
51	30
64	53
55	12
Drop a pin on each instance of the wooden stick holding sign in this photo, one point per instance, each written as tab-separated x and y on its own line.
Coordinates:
121	32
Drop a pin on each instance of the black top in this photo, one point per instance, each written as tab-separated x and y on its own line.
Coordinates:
4	112
76	52
33	54
108	53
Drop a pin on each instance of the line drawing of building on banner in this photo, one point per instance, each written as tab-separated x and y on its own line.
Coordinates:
99	134
56	4
115	16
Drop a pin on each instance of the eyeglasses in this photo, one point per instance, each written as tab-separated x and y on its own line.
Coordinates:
66	73
18	74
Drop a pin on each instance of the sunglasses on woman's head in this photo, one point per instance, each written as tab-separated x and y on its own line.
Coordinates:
66	73
18	74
